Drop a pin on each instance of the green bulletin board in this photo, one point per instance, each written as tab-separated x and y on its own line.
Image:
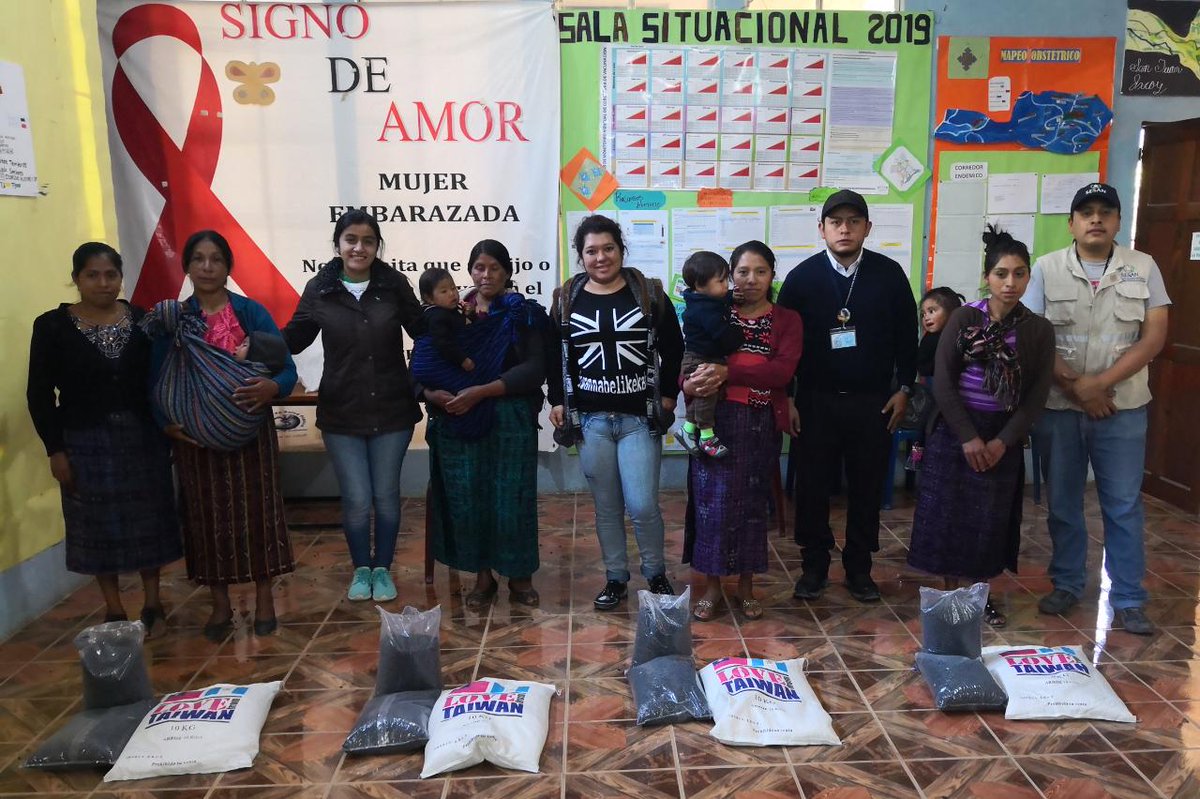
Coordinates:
1050	230
584	35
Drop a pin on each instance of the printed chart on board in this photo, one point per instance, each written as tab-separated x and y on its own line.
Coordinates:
746	119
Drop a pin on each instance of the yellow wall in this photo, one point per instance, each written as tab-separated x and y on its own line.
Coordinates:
56	43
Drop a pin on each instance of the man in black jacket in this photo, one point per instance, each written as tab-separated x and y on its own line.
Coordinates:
860	339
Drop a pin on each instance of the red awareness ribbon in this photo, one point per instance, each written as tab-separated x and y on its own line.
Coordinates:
184	176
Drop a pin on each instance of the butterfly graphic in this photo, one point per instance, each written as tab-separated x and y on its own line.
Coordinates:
254	78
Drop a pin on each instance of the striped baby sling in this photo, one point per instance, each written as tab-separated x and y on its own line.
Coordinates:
486	341
194	388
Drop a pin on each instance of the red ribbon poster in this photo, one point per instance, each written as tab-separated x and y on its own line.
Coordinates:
267	121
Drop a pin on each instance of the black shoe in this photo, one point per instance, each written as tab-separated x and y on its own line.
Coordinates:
265	627
612	594
862	587
659	584
810	586
153	620
1057	603
217	632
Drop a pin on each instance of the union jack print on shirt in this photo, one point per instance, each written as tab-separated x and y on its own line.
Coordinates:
624	341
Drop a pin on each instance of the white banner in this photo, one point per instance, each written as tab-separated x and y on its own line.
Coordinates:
266	121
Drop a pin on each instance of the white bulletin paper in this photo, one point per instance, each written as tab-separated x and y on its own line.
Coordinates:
739	225
862	94
793	236
853	170
999	94
958	232
1019	226
891	232
18	174
962	272
1059	189
1012	193
693	229
962	197
645	235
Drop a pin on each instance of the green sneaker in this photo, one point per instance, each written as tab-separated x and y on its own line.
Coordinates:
382	587
360	586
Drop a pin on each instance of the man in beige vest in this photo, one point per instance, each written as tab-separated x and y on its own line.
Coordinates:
1109	307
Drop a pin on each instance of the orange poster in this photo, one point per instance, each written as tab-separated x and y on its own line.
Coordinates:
1021	106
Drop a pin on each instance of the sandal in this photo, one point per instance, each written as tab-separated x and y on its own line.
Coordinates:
993	616
528	597
478	600
705	610
751	608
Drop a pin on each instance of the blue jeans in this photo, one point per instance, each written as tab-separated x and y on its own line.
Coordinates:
620	459
368	473
1116	447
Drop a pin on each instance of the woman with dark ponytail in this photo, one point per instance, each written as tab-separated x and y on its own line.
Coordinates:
994	366
366	412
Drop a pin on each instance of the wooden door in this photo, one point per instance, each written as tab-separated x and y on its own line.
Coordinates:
1168	218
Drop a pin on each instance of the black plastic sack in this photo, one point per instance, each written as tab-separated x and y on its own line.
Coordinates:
114	668
392	723
664	626
667	690
959	683
91	739
952	621
409	658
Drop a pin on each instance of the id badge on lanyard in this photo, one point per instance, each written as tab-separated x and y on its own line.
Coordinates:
842	338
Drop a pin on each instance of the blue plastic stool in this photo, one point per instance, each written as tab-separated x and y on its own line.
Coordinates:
889	484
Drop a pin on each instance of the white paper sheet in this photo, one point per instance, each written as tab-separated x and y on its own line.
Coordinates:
962	197
1012	193
862	94
962	272
693	229
645	235
1019	226
853	170
999	94
18	173
793	235
1059	189
739	225
959	233
891	232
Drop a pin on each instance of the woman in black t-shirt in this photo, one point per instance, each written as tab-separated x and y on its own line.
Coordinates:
615	396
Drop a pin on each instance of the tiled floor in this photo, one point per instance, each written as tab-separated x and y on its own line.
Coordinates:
860	659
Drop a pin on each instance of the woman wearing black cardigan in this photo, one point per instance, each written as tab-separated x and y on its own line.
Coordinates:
111	462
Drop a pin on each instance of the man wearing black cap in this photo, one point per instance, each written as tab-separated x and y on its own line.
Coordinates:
860	339
1109	306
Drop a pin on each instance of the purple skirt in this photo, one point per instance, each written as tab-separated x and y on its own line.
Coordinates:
967	524
727	522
